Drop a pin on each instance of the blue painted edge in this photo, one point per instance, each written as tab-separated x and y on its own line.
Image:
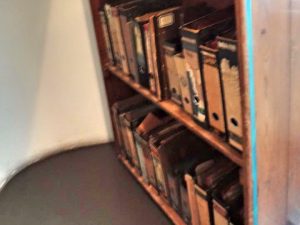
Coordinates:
249	43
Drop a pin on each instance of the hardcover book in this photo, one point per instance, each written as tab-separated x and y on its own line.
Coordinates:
194	34
121	107
209	179
213	87
129	121
228	204
172	48
228	63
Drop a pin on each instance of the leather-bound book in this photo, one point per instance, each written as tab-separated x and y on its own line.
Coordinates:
108	9
164	26
127	24
185	82
121	28
228	204
228	63
208	180
130	120
155	142
121	107
178	162
108	44
172	48
151	122
194	34
213	88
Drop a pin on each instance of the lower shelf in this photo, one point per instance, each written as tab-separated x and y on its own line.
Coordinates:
166	208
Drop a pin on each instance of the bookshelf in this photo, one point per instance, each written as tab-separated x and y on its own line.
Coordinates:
178	113
270	101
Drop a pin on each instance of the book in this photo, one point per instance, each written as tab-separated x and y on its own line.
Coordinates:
228	204
164	26
121	107
210	178
142	134
129	121
194	34
172	48
121	29
106	35
156	144
228	63
185	83
213	86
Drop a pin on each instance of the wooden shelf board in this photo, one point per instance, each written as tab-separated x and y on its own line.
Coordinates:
179	114
166	208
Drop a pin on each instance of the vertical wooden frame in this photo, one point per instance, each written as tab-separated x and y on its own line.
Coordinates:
262	26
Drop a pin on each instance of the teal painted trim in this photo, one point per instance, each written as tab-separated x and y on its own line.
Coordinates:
249	43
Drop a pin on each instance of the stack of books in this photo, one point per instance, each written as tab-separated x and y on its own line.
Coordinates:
189	175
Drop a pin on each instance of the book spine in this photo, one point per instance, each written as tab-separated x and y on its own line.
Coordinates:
213	89
110	12
184	84
186	213
149	165
130	48
161	181
120	36
125	139
132	148
174	195
141	157
142	77
232	92
192	199
149	54
172	76
117	126
192	60
106	37
220	214
204	206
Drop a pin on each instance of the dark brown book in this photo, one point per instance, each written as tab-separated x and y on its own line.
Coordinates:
164	25
209	180
228	204
129	121
121	107
194	34
142	135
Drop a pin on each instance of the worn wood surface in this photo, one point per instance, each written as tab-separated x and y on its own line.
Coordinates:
271	38
294	160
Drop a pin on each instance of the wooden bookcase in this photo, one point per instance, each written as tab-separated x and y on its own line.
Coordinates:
270	102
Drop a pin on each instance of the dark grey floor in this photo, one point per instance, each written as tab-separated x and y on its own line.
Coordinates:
88	186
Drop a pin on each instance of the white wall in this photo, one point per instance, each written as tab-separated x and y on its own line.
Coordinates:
51	88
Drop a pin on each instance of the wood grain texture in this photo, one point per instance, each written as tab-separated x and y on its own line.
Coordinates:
294	160
272	99
166	208
177	112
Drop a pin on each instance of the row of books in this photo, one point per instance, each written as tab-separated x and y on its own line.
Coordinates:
198	182
184	53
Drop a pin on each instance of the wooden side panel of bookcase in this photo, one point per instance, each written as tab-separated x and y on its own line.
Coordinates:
264	30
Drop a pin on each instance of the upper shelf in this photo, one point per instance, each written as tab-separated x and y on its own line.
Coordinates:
180	115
